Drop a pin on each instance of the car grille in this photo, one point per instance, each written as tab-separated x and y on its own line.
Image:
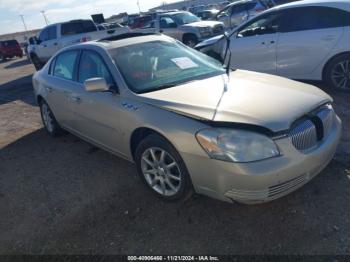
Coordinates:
273	192
306	134
327	116
290	185
218	30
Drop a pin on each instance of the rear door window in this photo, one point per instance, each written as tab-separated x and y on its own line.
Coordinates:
65	64
313	18
77	27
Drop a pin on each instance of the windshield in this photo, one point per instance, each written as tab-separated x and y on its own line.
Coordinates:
156	65
185	18
10	43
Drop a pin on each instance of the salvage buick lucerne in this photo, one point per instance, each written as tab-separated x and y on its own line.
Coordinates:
186	123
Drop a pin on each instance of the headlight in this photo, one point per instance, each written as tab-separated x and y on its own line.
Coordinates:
236	145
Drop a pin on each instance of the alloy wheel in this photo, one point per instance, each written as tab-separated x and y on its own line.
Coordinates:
340	75
161	171
47	117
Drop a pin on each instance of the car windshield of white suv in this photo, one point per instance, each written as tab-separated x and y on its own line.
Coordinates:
185	18
152	66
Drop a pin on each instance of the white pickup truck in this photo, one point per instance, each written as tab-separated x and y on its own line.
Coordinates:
54	37
184	26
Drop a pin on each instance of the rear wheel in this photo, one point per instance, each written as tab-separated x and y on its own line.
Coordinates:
162	169
337	73
49	120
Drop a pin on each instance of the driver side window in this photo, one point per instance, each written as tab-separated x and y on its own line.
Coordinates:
267	24
167	22
91	66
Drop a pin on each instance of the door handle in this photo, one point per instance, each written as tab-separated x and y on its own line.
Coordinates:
76	99
55	44
161	31
49	89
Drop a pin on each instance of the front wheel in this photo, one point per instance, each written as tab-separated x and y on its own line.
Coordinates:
190	40
162	169
36	62
337	73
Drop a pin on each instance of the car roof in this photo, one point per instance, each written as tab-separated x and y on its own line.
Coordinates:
112	44
241	2
341	4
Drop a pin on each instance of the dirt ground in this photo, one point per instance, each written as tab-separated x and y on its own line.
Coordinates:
63	196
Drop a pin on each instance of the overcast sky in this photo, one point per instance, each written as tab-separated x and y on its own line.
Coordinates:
62	10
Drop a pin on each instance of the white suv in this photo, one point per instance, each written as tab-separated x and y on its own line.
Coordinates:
56	36
308	40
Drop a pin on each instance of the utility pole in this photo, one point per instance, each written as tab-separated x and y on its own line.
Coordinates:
24	24
46	21
138	4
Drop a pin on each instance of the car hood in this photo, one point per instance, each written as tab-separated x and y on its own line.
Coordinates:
247	97
209	41
203	24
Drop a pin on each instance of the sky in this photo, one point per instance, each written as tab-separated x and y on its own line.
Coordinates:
62	10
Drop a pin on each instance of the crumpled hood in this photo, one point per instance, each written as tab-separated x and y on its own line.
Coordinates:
251	98
203	24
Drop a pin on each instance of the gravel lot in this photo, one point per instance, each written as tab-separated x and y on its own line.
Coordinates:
63	196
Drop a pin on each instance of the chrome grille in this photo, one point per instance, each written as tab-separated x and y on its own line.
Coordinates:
304	135
288	185
326	115
270	193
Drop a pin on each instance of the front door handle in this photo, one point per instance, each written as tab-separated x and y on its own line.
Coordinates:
161	31
76	99
48	89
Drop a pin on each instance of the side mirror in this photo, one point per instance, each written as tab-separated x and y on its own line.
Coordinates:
97	84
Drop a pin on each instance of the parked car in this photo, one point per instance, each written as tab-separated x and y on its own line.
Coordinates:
241	11
174	112
207	14
315	46
10	49
185	27
139	22
56	36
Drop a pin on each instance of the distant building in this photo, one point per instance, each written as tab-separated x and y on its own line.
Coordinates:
185	5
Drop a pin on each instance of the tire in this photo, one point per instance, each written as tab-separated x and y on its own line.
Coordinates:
167	178
36	62
49	121
337	73
190	40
